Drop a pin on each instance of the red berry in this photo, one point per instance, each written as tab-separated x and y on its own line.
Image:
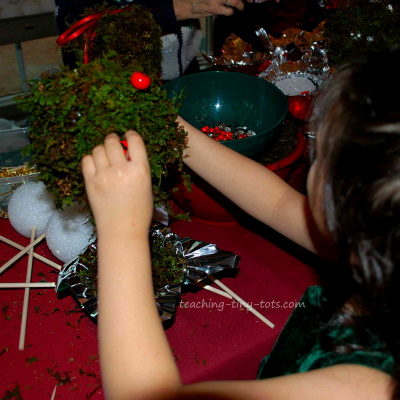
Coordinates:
140	80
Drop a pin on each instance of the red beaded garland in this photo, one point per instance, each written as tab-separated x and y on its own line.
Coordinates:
140	80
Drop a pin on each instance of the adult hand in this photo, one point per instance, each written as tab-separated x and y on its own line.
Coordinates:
119	186
187	9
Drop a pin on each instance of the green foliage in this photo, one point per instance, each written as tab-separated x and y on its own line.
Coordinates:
358	26
70	112
13	394
87	270
132	34
169	267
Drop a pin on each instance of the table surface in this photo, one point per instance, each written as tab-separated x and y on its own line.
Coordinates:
212	338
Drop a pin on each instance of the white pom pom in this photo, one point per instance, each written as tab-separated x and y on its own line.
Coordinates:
11	11
30	7
47	6
31	205
68	233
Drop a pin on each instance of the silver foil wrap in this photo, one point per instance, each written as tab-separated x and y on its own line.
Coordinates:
202	259
312	65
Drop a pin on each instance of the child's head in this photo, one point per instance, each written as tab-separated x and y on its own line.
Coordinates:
357	184
358	161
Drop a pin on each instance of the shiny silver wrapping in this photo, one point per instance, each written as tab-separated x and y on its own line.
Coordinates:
201	260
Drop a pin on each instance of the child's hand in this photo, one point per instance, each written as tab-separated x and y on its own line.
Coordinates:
119	186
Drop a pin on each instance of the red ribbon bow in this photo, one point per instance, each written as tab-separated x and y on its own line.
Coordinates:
87	25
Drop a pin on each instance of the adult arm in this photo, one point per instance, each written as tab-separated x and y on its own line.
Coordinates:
70	11
167	13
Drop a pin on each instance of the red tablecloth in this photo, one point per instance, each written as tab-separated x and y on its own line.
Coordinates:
212	337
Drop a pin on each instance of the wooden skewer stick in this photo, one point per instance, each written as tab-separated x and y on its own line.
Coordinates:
37	256
26	294
242	302
21	253
53	396
30	285
211	289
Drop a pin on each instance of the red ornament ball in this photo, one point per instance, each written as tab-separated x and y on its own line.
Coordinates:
140	80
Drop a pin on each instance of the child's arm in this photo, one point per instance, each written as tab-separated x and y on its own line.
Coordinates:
136	360
255	189
134	352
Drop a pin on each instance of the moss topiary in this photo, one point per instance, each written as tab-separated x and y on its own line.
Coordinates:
71	111
132	34
360	25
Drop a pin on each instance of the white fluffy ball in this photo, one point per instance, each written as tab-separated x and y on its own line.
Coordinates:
11	11
31	205
68	233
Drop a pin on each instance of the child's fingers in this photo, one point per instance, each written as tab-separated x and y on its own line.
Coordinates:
100	158
136	147
88	167
114	150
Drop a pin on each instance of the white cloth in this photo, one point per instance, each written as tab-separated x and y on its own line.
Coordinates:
191	38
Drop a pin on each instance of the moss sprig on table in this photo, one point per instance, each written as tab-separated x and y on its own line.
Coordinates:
358	26
71	112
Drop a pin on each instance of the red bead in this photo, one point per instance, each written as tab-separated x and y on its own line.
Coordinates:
124	145
205	129
243	136
140	80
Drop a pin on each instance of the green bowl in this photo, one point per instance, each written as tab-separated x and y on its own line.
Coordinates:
234	99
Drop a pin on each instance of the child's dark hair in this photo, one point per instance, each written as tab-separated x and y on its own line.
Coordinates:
358	119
